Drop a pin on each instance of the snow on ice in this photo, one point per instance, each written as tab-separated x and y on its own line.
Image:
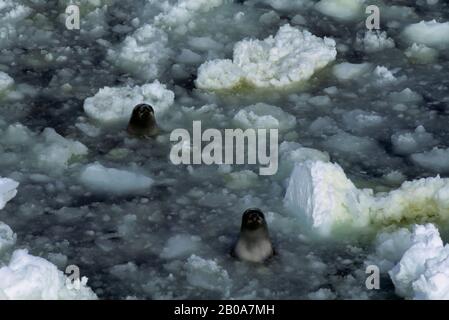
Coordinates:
289	57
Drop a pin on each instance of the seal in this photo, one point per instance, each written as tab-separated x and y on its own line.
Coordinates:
142	122
253	244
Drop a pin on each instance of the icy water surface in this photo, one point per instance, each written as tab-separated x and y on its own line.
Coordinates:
152	243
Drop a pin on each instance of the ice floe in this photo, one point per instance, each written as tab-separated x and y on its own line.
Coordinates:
406	143
405	96
112	105
362	121
348	71
420	53
55	152
374	41
208	275
181	246
102	179
144	54
8	190
430	33
27	277
6	82
264	116
182	16
289	57
7	238
435	160
321	196
343	10
416	260
292	152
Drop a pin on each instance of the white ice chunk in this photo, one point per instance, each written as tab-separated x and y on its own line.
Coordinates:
430	33
347	71
101	179
433	283
17	134
28	277
325	200
219	74
7	238
6	82
405	96
269	18
436	160
374	41
359	120
289	57
292	152
8	190
55	152
180	246
352	145
411	142
420	53
111	105
383	76
416	261
207	274
418	274
264	116
344	10
181	17
143	54
390	247
321	195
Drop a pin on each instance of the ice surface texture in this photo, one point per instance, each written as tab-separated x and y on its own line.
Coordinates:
416	260
111	105
289	57
8	190
325	200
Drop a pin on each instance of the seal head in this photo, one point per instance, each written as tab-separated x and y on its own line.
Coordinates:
143	122
254	244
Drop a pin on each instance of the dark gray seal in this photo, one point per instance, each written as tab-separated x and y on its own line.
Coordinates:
142	122
253	244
